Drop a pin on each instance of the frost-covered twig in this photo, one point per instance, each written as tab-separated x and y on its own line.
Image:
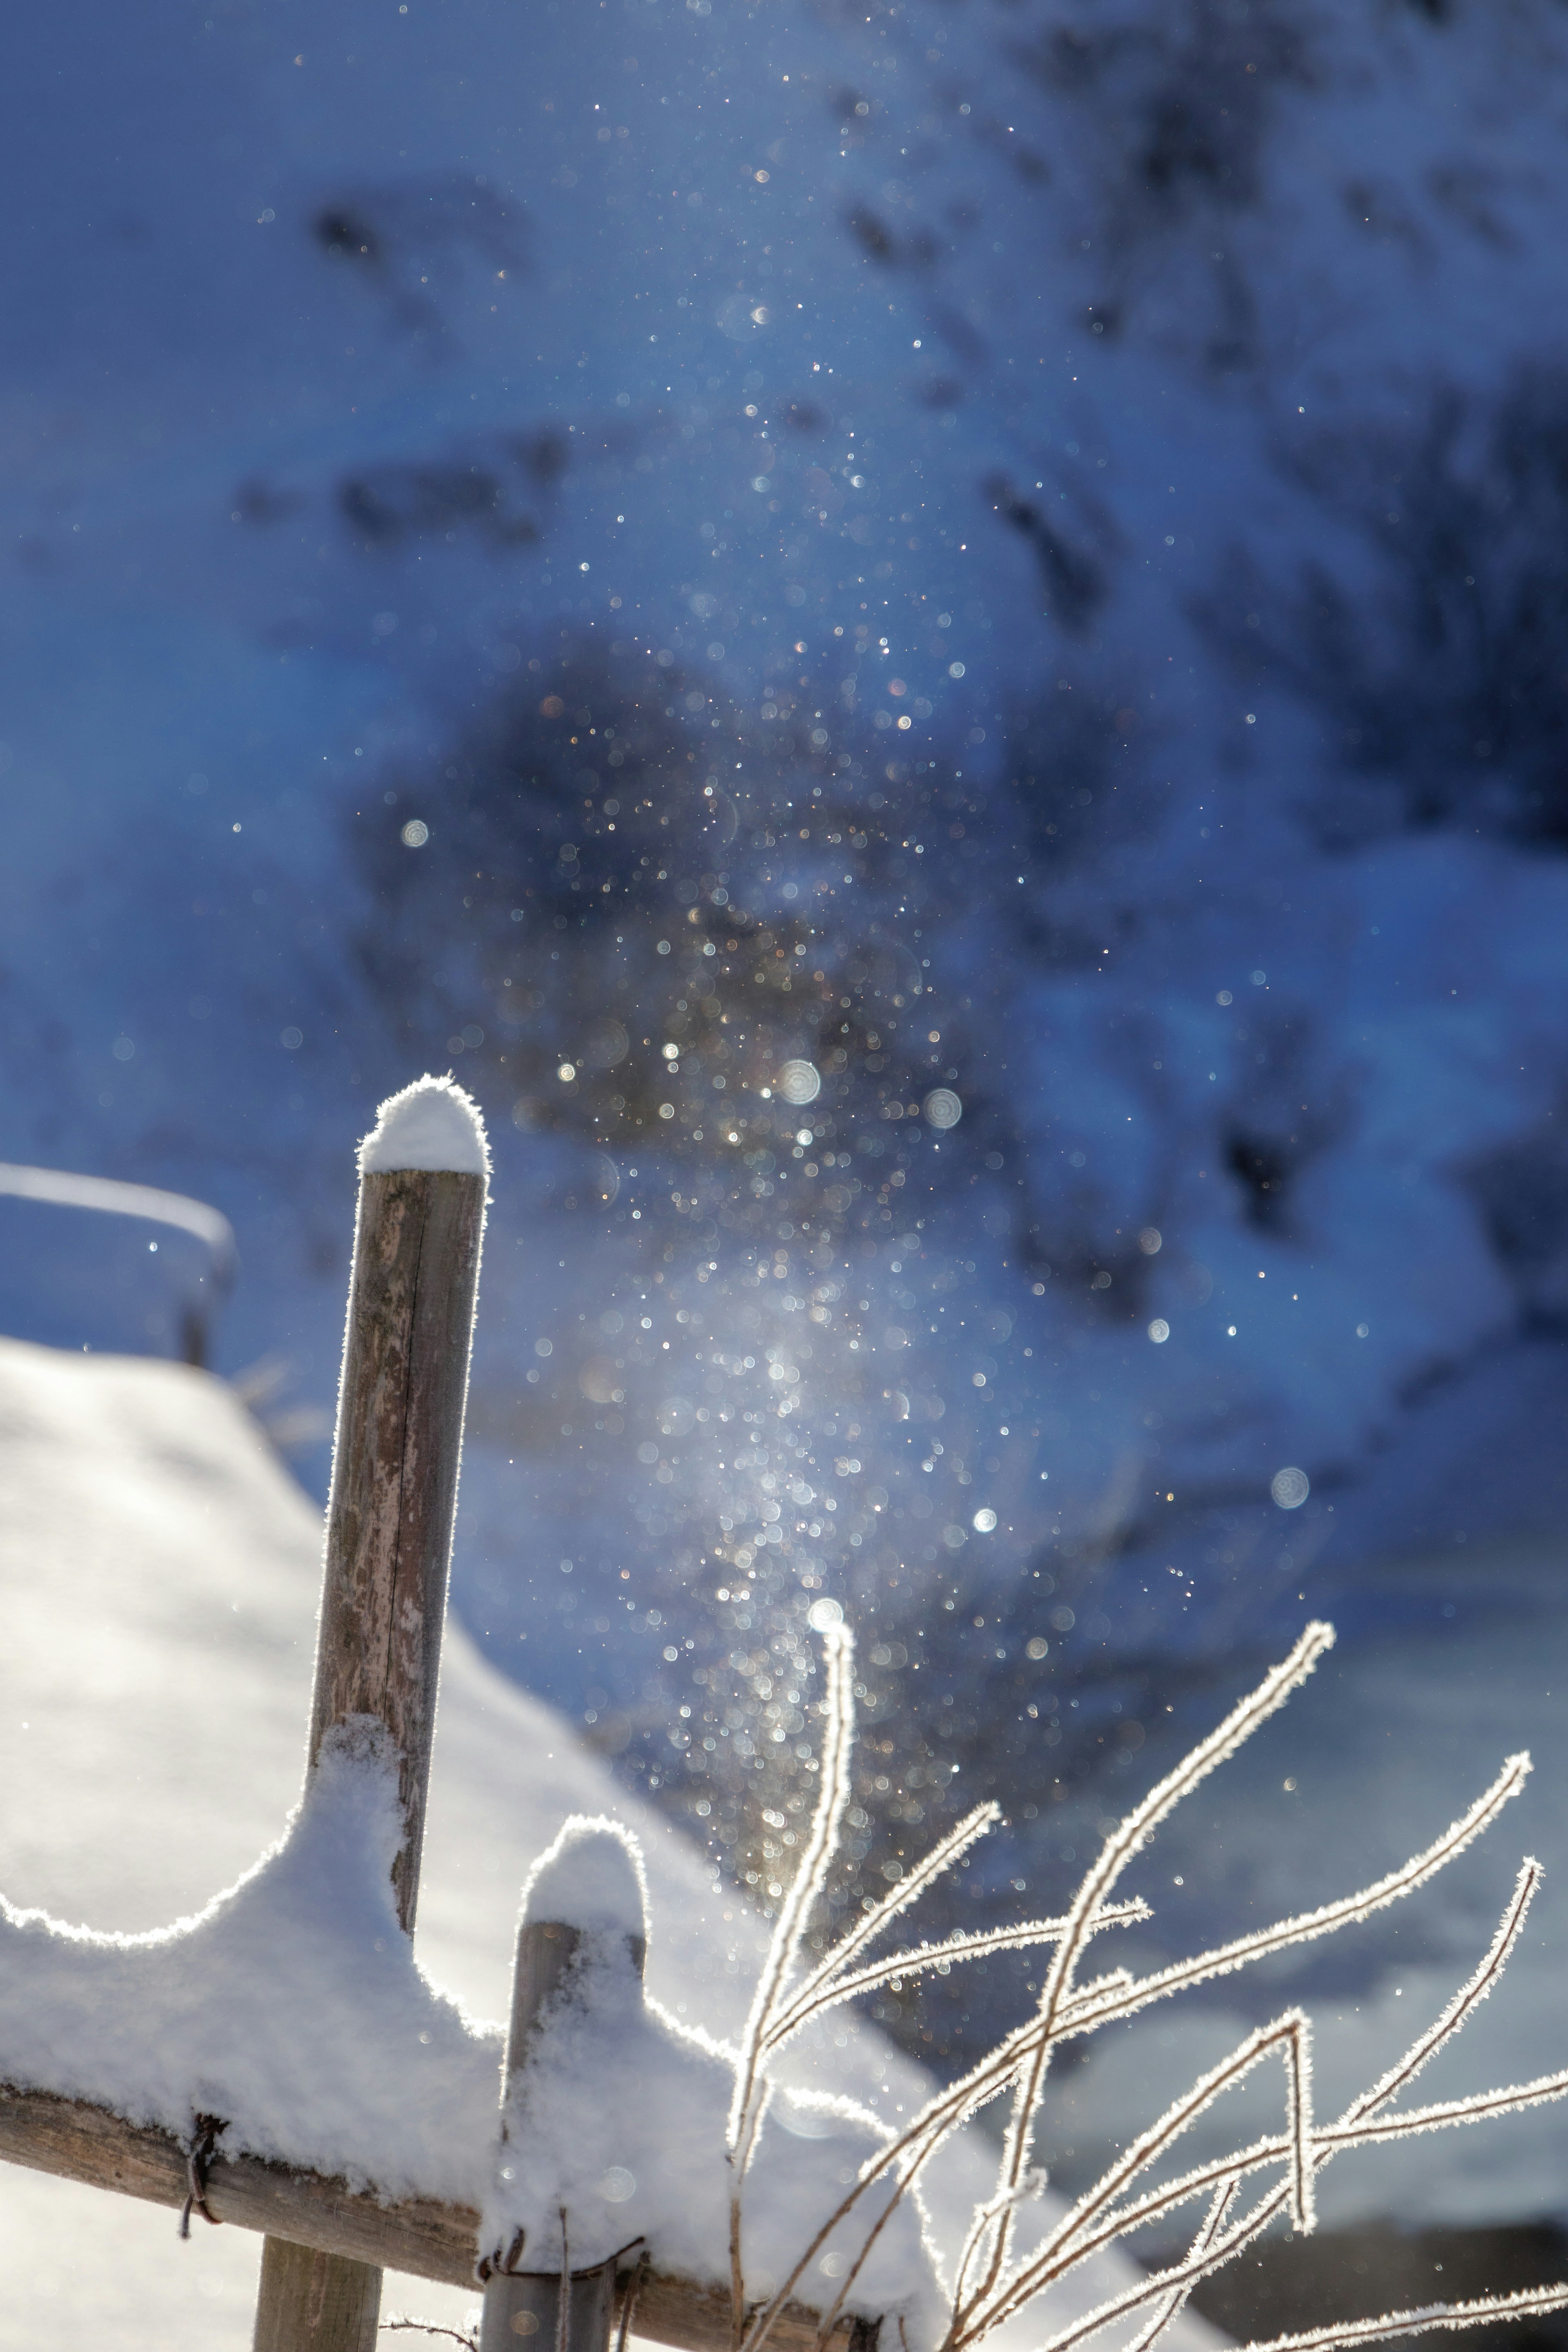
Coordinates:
1306	1926
1101	1879
865	1929
1530	2302
1355	2127
1290	2034
1164	2312
428	2327
993	2284
833	1797
816	1996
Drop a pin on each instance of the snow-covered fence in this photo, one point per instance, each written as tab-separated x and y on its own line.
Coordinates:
80	2104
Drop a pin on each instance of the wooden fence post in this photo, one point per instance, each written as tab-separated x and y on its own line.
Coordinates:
523	2304
389	1540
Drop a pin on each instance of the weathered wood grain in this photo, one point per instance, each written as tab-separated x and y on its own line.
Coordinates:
394	1473
78	2141
419	2235
307	2298
401	1400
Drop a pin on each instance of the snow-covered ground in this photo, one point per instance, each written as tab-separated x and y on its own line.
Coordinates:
160	1578
1007	552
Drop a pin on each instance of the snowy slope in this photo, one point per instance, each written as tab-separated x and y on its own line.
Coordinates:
1158	408
159	1577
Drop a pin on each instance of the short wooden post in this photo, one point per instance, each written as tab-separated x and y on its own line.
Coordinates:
525	2304
389	1540
307	2298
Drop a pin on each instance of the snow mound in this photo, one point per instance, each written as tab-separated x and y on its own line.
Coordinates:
431	1124
618	2120
292	2007
592	1877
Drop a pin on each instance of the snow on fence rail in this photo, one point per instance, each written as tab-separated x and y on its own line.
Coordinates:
419	2235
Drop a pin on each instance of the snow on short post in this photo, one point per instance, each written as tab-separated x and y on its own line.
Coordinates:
592	1879
615	2114
432	1124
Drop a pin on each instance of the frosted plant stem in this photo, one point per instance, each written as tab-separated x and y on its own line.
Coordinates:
1099	1880
1120	2002
918	1958
1289	2034
911	2149
1175	2302
1029	2280
1469	1996
1031	2277
1037	2272
810	1880
1484	2313
1306	1925
1354	2129
990	2288
867	1929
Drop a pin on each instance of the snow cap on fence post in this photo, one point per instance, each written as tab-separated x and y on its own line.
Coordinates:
591	1878
433	1123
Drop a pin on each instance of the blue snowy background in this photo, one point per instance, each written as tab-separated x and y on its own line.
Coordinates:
928	642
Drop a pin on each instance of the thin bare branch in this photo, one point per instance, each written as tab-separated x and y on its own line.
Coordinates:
1289	2035
1034	2274
1485	2312
865	1930
1175	2302
1101	1879
833	1797
1471	1993
1037	2272
751	2087
919	1957
1425	2047
990	2288
1509	2099
1306	1925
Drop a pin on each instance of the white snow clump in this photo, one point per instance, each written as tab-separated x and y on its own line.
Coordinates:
433	1123
292	2007
618	2117
592	1877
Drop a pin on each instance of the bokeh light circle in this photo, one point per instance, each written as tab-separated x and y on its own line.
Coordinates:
800	1082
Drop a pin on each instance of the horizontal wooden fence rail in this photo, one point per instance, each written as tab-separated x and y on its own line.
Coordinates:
78	2141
